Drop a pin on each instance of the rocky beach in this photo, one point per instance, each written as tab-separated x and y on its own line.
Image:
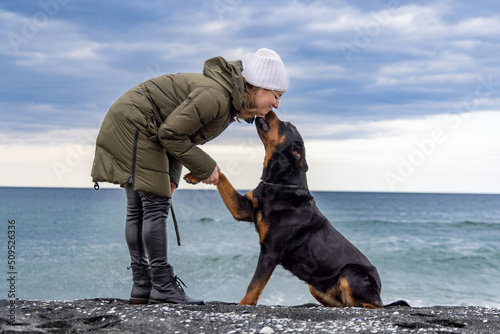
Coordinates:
108	315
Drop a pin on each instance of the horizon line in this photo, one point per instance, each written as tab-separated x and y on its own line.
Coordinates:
247	190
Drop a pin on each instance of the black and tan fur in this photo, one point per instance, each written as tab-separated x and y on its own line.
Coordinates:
292	230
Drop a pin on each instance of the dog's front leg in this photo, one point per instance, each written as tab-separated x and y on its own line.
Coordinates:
241	207
265	268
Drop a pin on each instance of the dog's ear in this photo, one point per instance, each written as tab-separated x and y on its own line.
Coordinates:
299	153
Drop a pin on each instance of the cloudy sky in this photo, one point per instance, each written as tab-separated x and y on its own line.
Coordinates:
389	95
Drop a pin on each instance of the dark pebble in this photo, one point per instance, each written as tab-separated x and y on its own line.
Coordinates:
107	315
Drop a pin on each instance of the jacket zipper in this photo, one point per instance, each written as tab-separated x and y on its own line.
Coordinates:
134	156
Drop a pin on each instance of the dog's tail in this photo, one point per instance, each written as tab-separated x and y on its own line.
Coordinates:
398	303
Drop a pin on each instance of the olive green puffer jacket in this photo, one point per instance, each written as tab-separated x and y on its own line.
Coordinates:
155	127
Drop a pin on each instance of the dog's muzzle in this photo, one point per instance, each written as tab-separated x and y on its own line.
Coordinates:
262	124
249	120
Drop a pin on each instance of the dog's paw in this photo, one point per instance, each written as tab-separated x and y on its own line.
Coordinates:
191	179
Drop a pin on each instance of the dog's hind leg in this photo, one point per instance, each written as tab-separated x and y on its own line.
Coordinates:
341	295
265	268
326	299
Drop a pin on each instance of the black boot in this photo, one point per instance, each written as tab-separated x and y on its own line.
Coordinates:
141	275
167	289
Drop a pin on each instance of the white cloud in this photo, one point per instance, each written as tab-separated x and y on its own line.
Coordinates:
478	27
46	165
334	20
307	70
442	153
436	55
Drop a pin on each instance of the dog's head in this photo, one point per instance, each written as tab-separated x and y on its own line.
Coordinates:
285	160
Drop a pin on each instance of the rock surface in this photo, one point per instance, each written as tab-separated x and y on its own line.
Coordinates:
107	315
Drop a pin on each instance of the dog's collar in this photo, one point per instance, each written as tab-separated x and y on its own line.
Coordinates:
282	185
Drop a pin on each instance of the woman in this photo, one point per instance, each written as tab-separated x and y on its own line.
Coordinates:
153	130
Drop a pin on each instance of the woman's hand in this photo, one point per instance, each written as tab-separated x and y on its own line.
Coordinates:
172	187
214	178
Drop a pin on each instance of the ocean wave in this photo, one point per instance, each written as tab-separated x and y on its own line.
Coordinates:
465	223
206	220
468	223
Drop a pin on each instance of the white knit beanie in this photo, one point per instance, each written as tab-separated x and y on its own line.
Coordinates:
266	70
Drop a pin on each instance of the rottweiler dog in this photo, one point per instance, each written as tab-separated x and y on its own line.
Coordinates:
292	230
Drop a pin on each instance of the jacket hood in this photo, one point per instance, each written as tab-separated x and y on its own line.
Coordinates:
228	74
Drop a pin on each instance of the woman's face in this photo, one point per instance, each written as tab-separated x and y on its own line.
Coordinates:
265	100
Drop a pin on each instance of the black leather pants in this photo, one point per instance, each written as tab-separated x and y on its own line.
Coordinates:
145	228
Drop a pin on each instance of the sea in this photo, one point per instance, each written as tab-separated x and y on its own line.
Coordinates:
429	249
